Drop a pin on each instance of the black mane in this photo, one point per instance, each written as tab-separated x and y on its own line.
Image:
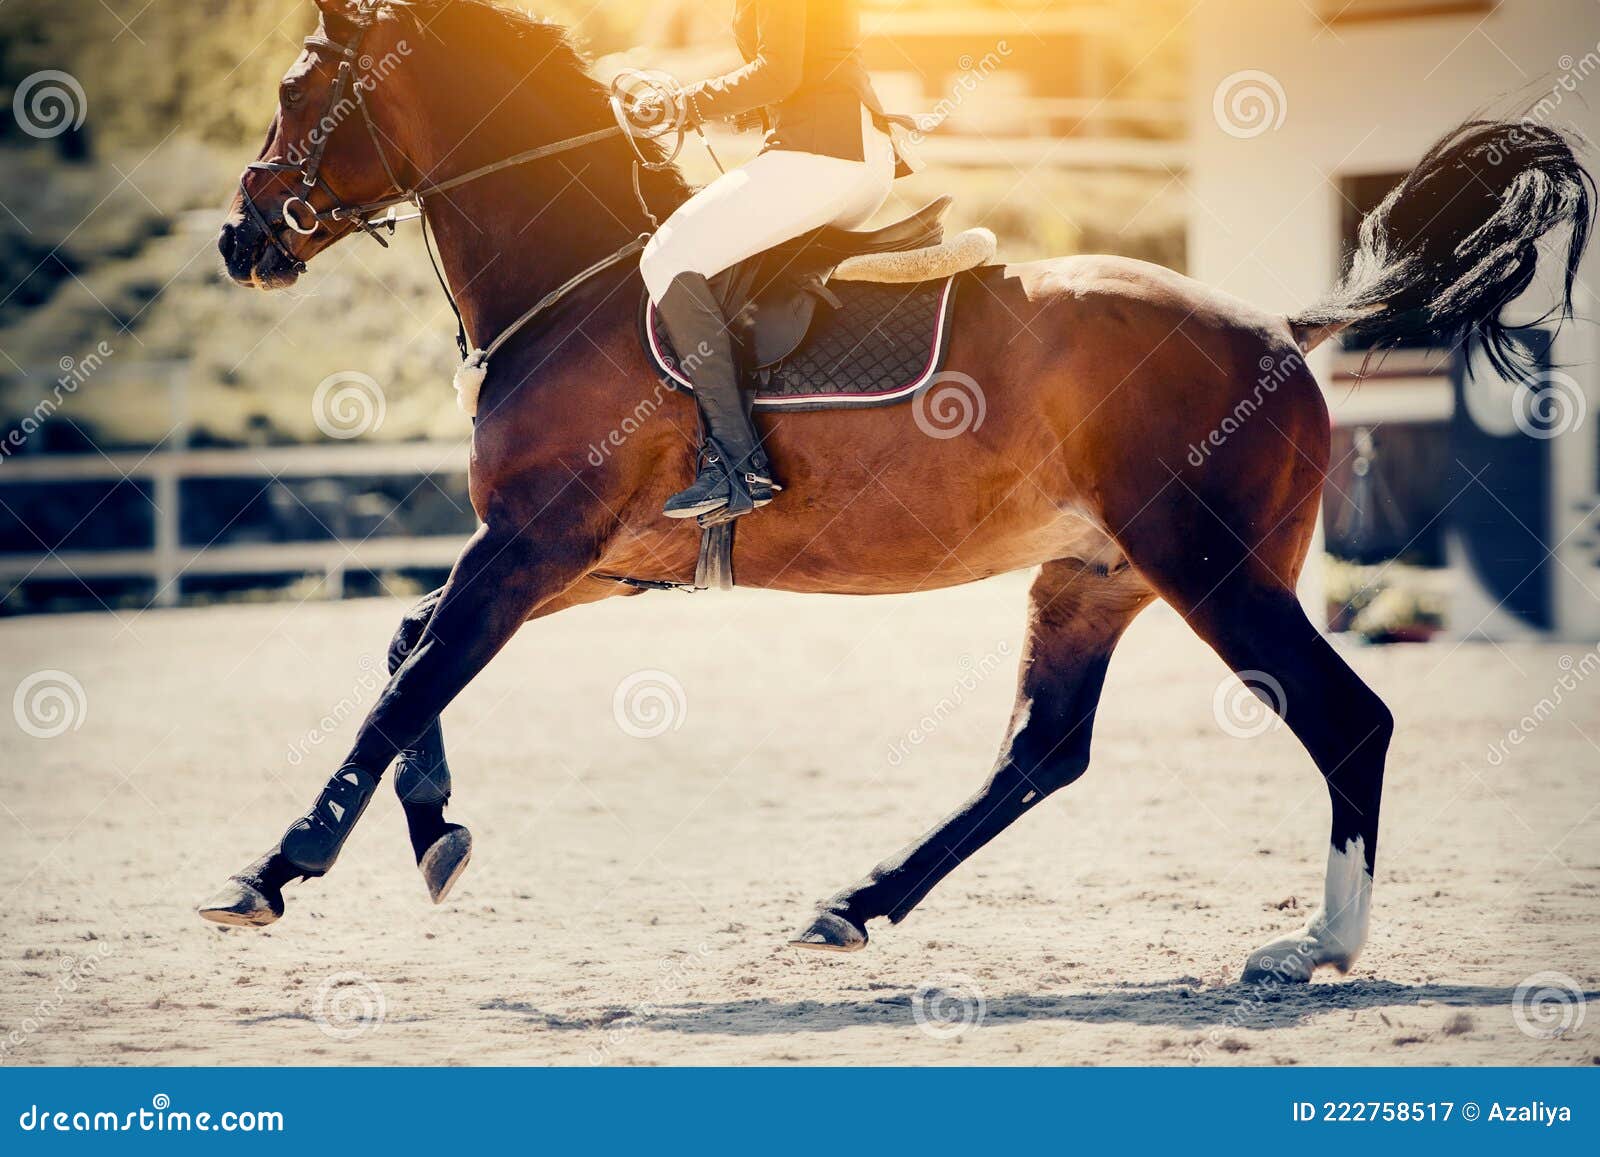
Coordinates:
570	99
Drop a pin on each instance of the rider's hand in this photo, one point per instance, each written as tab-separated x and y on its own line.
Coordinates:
648	110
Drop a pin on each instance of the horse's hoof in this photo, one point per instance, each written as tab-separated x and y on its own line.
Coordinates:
241	904
1284	962
443	863
830	932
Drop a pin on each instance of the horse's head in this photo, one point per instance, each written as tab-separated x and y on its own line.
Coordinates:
392	100
334	146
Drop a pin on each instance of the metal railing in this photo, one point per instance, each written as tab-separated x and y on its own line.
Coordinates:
167	560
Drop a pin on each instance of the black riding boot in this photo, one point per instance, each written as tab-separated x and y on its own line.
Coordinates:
733	477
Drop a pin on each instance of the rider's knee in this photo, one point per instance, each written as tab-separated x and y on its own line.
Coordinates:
660	265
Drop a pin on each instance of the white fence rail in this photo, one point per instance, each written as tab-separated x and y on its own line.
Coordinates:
167	561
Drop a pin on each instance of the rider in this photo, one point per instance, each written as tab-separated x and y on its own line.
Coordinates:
828	160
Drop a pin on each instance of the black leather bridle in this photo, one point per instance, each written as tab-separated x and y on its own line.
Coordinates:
298	215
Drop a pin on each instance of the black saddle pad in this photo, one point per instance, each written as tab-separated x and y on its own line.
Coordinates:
883	344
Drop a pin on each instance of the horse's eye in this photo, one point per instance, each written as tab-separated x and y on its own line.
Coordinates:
290	96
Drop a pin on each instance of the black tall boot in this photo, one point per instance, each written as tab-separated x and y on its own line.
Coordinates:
733	477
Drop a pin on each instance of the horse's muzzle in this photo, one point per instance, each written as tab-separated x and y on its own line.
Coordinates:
249	257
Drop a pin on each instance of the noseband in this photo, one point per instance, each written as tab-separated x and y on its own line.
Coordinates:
299	216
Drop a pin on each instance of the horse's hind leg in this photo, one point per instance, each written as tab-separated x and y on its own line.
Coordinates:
422	777
1262	632
1076	614
1231	573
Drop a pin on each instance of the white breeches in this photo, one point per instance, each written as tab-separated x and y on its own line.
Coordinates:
773	199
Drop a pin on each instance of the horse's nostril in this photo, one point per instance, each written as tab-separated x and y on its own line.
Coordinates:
238	244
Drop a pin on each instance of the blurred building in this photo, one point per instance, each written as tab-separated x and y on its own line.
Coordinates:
1019	84
1304	116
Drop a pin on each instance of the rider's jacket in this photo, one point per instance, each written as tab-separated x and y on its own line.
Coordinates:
803	74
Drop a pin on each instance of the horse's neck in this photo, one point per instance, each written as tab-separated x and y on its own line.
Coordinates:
506	242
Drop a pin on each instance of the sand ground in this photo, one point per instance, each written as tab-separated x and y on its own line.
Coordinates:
630	896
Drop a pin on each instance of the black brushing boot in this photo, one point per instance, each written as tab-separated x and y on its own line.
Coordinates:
254	897
733	476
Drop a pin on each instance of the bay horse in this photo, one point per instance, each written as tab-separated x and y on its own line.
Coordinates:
1146	437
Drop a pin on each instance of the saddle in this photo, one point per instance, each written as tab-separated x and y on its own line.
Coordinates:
833	319
839	318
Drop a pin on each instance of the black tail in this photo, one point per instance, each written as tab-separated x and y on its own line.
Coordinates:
1458	239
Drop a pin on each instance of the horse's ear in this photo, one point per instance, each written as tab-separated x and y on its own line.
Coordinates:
332	7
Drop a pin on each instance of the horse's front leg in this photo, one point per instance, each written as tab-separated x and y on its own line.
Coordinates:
501	579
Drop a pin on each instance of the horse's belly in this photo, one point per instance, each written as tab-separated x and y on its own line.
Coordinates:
920	556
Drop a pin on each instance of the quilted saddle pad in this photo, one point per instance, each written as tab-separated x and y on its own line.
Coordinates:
883	344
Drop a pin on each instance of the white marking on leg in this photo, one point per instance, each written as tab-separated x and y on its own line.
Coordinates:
1335	934
1340	929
